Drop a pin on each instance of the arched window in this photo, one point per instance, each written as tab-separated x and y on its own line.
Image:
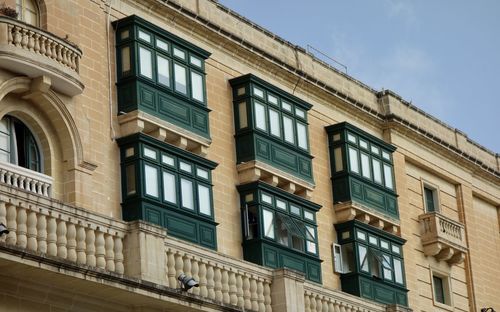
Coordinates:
28	12
18	145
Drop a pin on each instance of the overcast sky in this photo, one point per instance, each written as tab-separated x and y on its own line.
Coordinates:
443	56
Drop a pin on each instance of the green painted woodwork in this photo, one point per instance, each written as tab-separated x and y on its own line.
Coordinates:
158	93
266	139
281	249
370	284
350	182
196	224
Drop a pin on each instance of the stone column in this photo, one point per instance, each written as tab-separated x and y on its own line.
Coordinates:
287	291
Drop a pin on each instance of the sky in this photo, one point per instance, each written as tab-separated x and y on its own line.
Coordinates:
443	56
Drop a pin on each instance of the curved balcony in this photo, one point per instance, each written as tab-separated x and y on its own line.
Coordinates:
33	52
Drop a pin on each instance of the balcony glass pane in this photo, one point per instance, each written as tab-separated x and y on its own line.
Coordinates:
339	163
388	176
288	129
300	113
187	194
286	106
242	112
308	215
272	99
377	171
197	86
125	59
144	36
353	160
162	45
363	261
258	92
202	173
387	268
151	176
302	135
268	222
130	172
260	116
163	66
185	167
398	271
280	204
204	200
179	53
180	79
274	121
168	160
169	187
146	64
195	61
365	166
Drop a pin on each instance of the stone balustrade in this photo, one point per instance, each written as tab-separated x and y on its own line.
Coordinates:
442	237
31	51
41	225
317	298
222	279
25	179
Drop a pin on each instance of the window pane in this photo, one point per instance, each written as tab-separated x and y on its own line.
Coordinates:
363	144
384	244
162	45
151	153
310	233
204	200
185	167
258	92
163	67
130	172
260	116
396	249
398	271
168	160
146	65
387	268
187	194
288	129
242	112
179	53
361	235
197	86
144	36
151	176
438	289
195	61
377	171
295	210
351	138
267	199
286	106
353	160
180	79
386	155
388	176
308	215
302	135
274	121
311	247
282	230
373	240
280	204
125	59
363	261
300	113
272	99
375	150
268	223
429	199
339	163
169	187
202	173
365	166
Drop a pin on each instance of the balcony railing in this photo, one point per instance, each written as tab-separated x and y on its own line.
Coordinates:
41	225
442	237
25	179
31	51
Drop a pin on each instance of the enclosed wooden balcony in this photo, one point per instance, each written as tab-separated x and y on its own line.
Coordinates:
31	51
443	238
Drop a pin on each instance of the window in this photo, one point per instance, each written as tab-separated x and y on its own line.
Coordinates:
28	12
430	198
371	254
18	145
441	288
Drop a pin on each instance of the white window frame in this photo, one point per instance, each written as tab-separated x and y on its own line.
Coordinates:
447	290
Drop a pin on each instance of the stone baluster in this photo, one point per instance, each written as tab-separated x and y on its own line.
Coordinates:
320	306
31	223
267	296
31	40
100	251
109	247
3	217
186	265
28	184
194	273
15	179
71	244
51	236
90	247
312	303
225	286
210	281
43	45
8	179
171	278
342	308
330	307
17	36
53	47
246	293
2	176
59	53
233	298
24	40
22	218
218	284
46	189
240	302
36	48
81	257
307	303
11	224
41	227
260	295
203	279
119	255
62	251
253	294
10	37
179	265
22	182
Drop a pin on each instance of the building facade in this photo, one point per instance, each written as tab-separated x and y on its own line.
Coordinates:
142	140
